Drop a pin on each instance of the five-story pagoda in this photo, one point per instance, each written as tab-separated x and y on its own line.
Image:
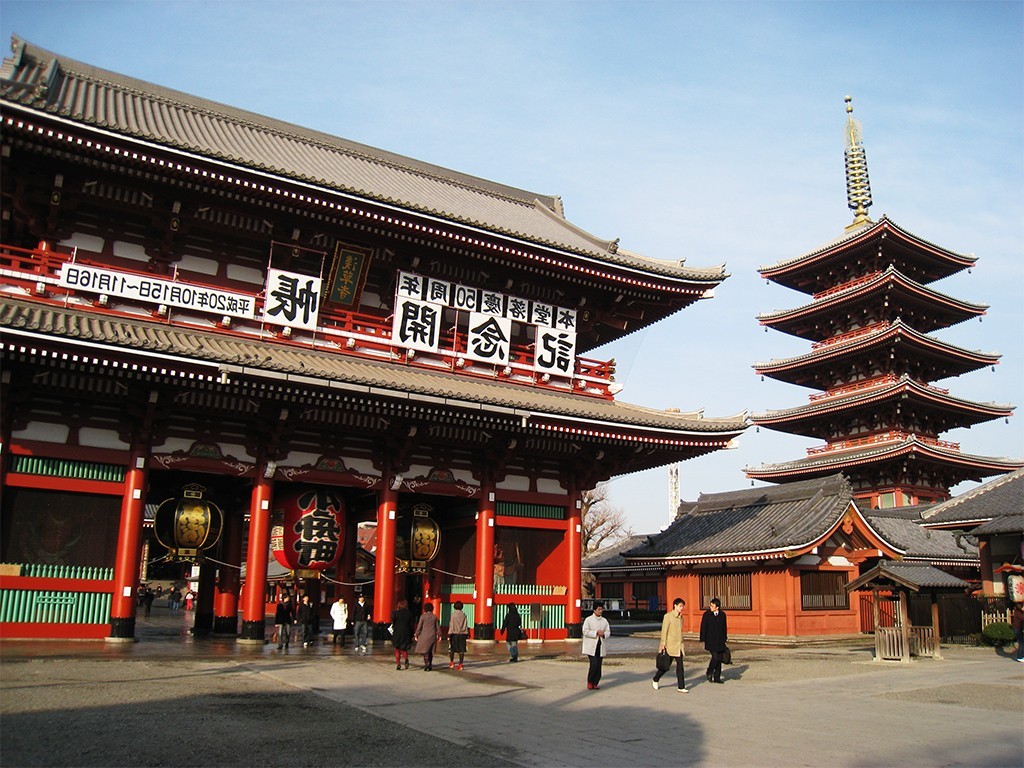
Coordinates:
873	360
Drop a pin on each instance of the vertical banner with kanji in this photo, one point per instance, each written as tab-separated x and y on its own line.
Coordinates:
292	299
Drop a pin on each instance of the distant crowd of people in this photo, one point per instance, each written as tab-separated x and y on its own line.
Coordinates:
175	598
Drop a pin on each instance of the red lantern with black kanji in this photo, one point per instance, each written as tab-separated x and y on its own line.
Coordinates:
308	525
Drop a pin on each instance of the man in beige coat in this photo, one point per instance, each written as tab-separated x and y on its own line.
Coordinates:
672	643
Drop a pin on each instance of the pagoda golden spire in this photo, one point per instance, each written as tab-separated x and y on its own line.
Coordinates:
858	186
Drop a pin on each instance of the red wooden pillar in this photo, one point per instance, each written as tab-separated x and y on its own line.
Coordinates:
384	574
345	571
574	555
225	600
129	546
483	623
254	603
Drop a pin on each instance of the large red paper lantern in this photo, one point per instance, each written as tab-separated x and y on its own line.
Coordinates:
309	522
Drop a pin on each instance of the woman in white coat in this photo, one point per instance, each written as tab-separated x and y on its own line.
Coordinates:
596	631
339	612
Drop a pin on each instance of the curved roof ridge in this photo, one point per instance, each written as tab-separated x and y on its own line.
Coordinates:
883	388
889	273
897	326
92	98
861	454
865	231
283	128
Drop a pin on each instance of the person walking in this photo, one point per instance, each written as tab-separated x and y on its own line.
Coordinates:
1017	624
401	633
672	643
596	630
512	626
284	617
360	623
458	633
307	618
714	634
426	635
147	600
339	612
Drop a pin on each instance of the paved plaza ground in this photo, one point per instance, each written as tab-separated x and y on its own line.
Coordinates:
171	700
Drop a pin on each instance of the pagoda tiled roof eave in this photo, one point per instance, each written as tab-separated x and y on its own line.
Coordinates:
251	357
836	461
881	280
864	233
45	83
897	328
904	385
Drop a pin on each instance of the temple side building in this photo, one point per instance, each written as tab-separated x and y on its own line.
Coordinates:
873	361
273	335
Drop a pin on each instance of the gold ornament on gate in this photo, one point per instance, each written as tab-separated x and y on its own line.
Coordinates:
418	540
189	524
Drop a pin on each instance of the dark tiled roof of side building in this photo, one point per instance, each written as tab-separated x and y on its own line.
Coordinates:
901	528
1002	497
913	575
752	520
610	558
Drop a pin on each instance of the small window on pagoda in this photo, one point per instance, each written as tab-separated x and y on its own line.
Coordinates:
823	591
886	500
733	589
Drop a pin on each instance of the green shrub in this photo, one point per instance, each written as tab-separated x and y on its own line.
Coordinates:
998	633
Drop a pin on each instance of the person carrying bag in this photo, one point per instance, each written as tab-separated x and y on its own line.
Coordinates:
671	648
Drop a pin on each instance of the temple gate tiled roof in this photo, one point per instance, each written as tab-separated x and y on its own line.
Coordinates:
44	82
259	359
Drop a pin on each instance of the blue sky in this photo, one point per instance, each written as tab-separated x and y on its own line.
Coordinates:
706	131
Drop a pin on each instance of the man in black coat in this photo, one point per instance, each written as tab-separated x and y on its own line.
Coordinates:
714	634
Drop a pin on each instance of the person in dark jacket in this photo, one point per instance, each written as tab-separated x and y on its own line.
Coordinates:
284	617
714	634
513	629
401	633
307	618
361	616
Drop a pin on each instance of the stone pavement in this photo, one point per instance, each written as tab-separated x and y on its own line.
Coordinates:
808	706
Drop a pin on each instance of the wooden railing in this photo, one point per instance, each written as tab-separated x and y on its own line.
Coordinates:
882	437
850	335
846	286
34	274
889	643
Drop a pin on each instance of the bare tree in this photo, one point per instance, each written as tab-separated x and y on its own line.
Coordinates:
601	523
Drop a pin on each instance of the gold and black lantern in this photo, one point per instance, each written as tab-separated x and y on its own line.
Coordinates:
189	524
417	539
